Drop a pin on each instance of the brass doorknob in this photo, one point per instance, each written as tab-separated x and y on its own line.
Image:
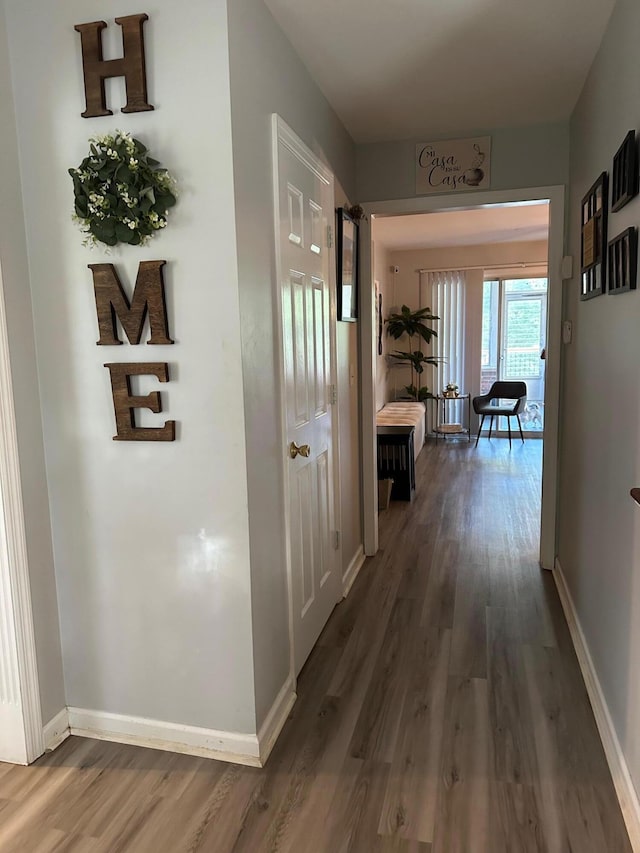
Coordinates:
294	450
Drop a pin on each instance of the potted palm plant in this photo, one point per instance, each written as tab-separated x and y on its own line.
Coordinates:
413	325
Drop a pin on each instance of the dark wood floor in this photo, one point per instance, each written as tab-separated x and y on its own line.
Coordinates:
442	711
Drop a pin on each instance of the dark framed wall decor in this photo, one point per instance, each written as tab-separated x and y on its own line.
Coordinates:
593	247
622	260
624	183
347	266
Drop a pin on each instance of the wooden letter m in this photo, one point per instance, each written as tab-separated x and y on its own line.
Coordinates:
148	298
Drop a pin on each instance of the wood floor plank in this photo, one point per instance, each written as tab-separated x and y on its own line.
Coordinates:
512	734
469	635
440	596
376	731
442	711
514	822
462	816
399	845
409	806
356	805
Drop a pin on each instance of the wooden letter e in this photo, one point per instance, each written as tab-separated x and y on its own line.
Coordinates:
125	403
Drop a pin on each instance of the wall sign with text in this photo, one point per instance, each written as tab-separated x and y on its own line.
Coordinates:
453	165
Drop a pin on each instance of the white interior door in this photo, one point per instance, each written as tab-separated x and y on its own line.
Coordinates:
304	215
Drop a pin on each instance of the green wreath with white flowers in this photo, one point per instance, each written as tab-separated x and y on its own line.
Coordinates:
122	195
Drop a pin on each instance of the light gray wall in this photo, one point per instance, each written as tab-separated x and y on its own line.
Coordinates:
599	544
150	539
520	157
15	278
268	77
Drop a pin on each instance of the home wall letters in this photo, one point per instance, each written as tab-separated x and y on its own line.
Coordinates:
131	66
148	298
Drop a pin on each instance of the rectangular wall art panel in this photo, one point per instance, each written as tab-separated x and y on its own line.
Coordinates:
623	262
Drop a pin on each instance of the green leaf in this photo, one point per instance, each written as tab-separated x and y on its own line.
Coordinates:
123	232
164	202
104	235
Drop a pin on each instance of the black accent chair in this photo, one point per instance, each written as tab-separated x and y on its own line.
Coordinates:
490	404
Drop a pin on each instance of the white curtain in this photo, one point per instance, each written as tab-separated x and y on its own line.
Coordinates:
445	293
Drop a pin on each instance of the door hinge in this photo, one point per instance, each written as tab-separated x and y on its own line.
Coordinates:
333	395
336	539
329	237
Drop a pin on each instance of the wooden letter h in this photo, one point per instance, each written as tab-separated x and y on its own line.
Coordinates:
131	66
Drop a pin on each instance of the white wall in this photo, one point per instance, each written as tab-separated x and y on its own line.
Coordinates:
599	545
15	281
268	77
150	540
520	157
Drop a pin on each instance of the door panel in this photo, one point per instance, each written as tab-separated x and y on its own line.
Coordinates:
305	210
513	337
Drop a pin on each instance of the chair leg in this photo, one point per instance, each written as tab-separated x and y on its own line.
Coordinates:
490	426
520	426
509	430
480	430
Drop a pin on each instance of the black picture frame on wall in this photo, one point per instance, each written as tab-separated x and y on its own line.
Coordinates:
593	244
622	260
347	266
624	182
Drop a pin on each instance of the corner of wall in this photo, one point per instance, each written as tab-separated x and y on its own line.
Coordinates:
26	400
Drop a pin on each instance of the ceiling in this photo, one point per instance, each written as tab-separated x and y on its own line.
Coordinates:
480	226
404	69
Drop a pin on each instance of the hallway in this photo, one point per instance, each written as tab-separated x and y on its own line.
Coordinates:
442	711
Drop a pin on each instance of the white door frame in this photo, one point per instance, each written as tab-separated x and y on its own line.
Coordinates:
20	713
433	204
281	133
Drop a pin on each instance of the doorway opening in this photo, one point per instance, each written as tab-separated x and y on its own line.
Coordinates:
520	309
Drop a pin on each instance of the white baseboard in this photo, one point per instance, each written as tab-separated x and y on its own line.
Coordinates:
352	571
276	718
249	749
236	747
625	789
56	730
